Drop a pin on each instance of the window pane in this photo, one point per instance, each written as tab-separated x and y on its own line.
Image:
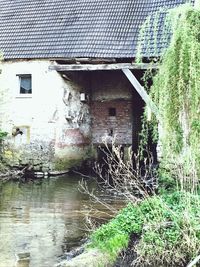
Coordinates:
25	85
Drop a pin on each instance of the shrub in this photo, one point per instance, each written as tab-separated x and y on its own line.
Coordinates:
2	137
113	236
171	232
168	225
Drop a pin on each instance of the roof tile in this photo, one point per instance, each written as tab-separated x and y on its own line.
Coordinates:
73	28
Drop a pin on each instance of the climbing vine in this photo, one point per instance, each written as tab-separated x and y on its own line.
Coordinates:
176	85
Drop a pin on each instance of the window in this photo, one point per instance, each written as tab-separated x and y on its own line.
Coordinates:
112	111
25	84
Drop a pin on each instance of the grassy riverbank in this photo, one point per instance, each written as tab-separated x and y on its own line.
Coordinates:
168	226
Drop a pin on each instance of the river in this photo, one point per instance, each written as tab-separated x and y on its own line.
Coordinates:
44	218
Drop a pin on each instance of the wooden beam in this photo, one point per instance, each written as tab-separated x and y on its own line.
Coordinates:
141	91
95	60
95	67
80	60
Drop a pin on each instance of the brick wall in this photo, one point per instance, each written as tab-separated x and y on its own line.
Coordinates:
104	125
111	89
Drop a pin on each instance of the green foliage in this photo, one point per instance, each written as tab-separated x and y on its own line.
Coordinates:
3	135
113	236
168	225
176	86
166	181
171	234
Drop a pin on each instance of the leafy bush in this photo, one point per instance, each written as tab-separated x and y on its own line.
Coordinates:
113	236
3	135
168	225
171	233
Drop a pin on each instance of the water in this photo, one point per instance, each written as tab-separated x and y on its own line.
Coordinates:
43	218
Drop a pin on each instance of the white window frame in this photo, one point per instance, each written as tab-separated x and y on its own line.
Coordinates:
18	93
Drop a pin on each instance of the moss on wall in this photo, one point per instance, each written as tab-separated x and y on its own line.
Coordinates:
65	163
76	158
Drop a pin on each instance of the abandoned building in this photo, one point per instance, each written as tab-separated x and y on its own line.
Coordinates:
69	81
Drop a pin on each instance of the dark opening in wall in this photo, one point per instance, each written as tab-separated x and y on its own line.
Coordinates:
110	132
112	112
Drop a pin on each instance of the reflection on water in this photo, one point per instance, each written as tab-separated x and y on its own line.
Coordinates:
36	218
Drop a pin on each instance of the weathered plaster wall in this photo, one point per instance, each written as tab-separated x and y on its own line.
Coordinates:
74	138
53	119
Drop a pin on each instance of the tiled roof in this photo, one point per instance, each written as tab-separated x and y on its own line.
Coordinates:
73	28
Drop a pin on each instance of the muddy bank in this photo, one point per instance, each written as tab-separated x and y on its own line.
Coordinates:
89	258
82	256
128	255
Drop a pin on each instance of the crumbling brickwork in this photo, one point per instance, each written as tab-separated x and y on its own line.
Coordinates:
118	126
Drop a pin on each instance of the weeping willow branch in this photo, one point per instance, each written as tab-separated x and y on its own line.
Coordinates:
176	86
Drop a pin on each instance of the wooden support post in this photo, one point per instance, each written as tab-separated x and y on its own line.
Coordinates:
194	262
141	91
